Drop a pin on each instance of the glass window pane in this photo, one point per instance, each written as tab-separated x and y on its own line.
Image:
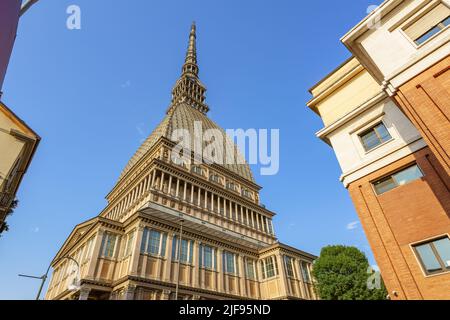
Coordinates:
270	268
249	269
305	272
383	133
407	175
446	22
288	264
229	262
384	185
443	248
370	140
184	251
207	252
144	240
153	245
428	258
428	35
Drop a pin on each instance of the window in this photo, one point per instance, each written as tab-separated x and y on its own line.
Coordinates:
214	178
108	245
374	136
435	255
154	242
430	24
197	170
207	257
269	267
186	250
231	186
305	272
250	269
229	260
288	262
129	244
246	193
397	179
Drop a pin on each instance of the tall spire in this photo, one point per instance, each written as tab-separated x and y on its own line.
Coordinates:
190	63
189	89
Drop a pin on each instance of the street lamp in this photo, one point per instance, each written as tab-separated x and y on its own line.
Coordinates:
179	259
45	276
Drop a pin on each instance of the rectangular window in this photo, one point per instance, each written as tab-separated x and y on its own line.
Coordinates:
374	136
434	255
397	179
250	269
153	242
108	245
185	250
288	262
229	262
270	267
129	244
305	272
433	22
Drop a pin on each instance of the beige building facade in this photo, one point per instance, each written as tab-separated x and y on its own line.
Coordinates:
18	143
187	230
386	116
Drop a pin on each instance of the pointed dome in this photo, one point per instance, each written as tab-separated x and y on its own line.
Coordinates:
183	116
187	107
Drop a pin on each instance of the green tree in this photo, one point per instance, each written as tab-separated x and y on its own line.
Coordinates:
343	273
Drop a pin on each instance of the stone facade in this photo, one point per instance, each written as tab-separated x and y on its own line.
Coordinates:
18	143
197	227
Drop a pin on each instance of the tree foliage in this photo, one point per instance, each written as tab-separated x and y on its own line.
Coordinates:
343	273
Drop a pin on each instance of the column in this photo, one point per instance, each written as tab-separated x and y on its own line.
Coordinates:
169	191
84	293
168	266
184	190
220	274
195	279
161	183
177	191
95	254
218	204
136	251
301	285
153	179
192	194
165	295
224	207
242	278
282	273
129	292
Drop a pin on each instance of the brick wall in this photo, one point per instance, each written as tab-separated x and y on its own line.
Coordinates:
426	102
398	218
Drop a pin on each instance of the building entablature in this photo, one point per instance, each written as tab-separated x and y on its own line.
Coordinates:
401	39
101	249
162	150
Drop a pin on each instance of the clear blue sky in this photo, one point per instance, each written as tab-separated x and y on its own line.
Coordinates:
94	94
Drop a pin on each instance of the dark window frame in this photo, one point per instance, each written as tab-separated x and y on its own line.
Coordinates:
370	129
444	268
390	176
441	26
